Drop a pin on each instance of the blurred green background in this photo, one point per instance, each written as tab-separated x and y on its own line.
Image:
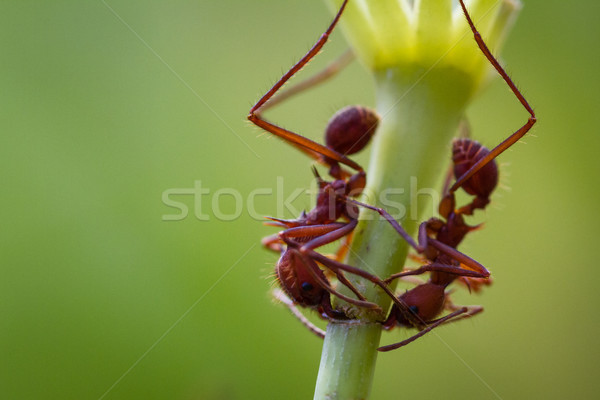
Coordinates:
104	106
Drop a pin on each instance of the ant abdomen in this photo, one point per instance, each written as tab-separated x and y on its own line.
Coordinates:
350	129
465	153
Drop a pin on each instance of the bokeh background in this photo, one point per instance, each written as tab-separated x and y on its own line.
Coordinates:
106	105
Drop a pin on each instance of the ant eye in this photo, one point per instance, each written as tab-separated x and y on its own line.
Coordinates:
414	309
307	287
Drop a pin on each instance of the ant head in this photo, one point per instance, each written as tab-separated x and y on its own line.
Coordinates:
350	129
465	153
425	300
297	282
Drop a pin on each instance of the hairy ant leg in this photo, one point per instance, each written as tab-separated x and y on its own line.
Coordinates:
336	265
301	278
312	269
317	151
474	284
326	73
313	236
308	250
324	234
424	240
300	64
513	138
435	267
279	295
429	328
294	230
273	243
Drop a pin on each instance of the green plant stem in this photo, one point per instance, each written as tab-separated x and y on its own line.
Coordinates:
420	112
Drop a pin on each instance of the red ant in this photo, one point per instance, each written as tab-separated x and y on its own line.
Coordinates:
348	132
428	299
476	172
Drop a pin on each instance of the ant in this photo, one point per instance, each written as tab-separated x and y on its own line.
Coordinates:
428	299
476	172
348	132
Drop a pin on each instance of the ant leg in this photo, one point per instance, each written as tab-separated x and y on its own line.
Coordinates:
341	252
460	257
424	240
328	72
300	64
429	328
471	311
344	247
322	230
344	281
273	243
474	284
437	267
311	266
280	296
450	306
313	149
512	139
336	266
464	131
329	237
325	234
285	223
391	220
